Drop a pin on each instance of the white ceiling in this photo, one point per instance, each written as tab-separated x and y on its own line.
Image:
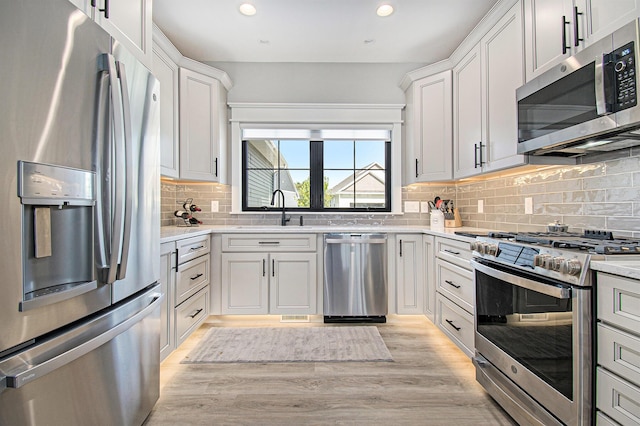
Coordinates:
419	31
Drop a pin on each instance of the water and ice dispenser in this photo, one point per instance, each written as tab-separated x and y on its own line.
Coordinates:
57	233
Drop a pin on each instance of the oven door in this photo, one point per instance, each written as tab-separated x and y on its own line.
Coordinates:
537	333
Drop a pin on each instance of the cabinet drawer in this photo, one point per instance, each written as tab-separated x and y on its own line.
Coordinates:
456	252
191	277
456	323
268	242
619	352
619	301
455	283
191	314
617	398
190	248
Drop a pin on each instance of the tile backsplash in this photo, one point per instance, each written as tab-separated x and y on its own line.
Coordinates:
603	195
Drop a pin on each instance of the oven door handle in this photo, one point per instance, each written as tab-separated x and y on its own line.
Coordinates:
549	290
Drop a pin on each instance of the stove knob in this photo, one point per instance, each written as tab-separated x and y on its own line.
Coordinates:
541	260
492	249
475	246
557	262
571	267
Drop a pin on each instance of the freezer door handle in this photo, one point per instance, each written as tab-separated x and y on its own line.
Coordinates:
31	373
128	177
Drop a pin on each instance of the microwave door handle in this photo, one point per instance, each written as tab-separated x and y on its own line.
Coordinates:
118	175
602	106
128	176
549	290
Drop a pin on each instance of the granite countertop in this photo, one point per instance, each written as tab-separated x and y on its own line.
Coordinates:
626	268
173	233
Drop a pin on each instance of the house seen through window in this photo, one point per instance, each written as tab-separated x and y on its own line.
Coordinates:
341	174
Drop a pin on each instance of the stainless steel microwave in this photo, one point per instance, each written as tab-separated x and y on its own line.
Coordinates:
588	102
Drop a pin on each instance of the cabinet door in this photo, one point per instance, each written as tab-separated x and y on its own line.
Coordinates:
245	283
467	115
544	34
199	126
129	22
429	277
167	285
166	71
83	5
602	17
409	282
432	128
292	287
502	73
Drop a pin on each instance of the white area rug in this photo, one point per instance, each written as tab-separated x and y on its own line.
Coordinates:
290	344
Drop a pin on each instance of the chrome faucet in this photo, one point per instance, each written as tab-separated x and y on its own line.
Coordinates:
285	219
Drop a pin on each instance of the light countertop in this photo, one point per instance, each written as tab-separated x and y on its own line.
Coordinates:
173	233
626	268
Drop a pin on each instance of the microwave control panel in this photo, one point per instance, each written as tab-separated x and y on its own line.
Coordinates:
624	66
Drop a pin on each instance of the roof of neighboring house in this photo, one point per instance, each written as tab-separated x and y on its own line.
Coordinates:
370	179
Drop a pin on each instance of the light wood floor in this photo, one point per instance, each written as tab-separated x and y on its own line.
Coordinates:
430	382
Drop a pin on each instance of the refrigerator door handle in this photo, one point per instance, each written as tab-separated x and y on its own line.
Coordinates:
28	375
102	232
128	153
118	141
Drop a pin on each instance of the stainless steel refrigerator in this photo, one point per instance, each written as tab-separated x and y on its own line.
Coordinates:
79	257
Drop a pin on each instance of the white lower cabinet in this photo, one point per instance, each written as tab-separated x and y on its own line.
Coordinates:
185	275
409	274
259	275
618	356
429	277
455	292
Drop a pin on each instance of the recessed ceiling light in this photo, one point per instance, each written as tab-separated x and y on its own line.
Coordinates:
385	10
369	41
263	41
247	9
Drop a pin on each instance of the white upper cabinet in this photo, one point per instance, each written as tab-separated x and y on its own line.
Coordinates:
166	71
557	29
485	131
128	21
202	126
502	70
467	115
428	129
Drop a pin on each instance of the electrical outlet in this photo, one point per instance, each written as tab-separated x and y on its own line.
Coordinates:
528	205
214	206
480	206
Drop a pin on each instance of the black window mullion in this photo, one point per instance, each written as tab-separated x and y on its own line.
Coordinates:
316	176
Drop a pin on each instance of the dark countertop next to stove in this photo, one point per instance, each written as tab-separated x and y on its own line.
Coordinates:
629	268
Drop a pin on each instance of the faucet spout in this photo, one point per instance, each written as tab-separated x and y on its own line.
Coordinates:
284	219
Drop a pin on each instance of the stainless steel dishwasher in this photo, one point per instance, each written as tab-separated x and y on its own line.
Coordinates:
355	277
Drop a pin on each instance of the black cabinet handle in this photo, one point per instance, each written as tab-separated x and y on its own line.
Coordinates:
196	277
457	253
451	283
400	248
216	166
195	314
416	167
564	34
273	267
481	156
107	8
196	248
452	324
576	32
93	3
264	267
177	257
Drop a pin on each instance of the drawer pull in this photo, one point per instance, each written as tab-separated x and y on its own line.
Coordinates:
196	248
196	277
451	284
457	253
453	325
196	313
273	243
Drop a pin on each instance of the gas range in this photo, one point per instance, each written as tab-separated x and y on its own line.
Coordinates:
561	256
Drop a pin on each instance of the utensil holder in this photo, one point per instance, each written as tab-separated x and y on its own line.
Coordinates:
454	222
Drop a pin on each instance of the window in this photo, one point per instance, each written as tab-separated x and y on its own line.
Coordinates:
329	174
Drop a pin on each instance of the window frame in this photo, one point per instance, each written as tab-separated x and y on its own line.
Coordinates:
316	182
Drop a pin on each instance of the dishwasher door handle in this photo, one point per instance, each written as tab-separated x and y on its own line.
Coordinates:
356	241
